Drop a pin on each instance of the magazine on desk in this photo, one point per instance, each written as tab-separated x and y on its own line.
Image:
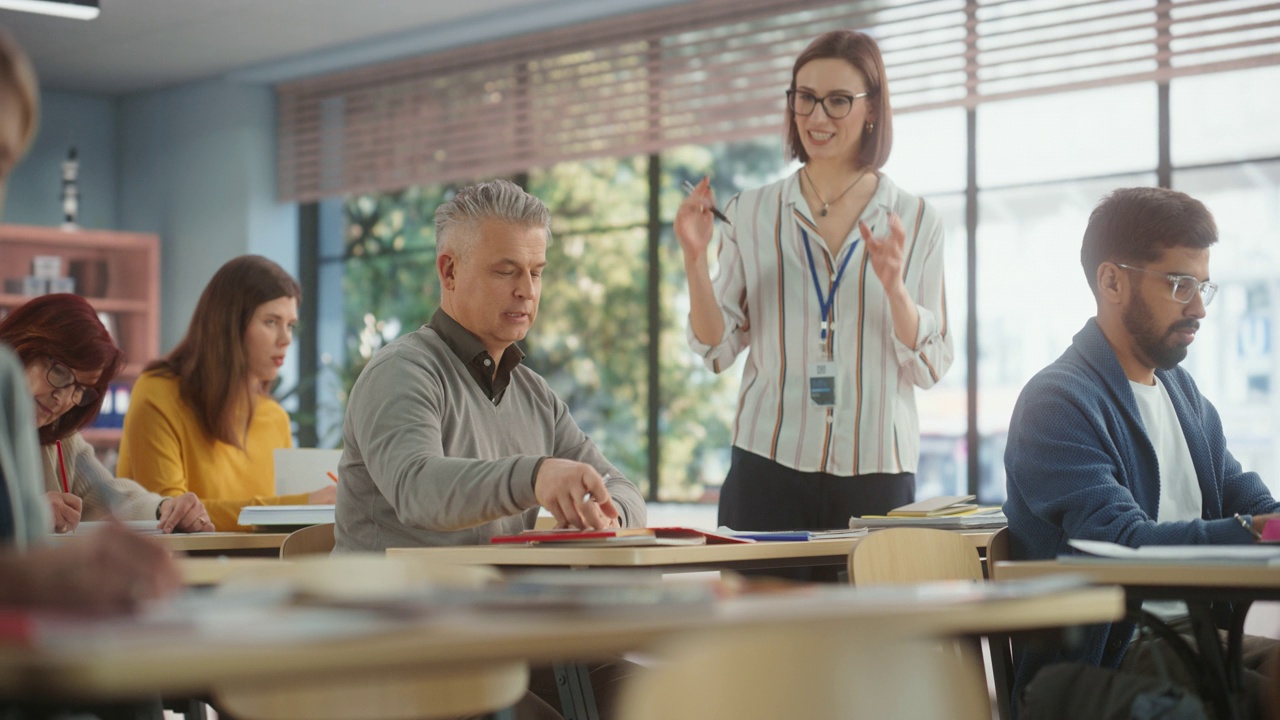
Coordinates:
618	537
793	535
993	519
1096	549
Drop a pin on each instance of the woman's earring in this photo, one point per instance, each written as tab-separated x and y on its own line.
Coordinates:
870	125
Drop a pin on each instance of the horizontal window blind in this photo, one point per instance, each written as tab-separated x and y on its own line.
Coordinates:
715	70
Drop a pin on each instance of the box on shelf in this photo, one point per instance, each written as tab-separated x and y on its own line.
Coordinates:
62	285
28	286
46	266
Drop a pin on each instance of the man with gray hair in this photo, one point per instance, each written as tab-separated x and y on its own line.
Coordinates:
448	439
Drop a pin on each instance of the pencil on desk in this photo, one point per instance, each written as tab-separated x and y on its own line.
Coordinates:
331	475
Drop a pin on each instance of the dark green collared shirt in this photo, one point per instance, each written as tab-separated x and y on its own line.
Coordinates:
473	354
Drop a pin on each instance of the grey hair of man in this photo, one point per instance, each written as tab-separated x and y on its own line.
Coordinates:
458	221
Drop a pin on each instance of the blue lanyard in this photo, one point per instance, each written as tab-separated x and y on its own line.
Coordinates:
825	303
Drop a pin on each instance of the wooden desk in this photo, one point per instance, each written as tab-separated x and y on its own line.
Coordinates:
683	558
202	571
189	662
1197	583
214	543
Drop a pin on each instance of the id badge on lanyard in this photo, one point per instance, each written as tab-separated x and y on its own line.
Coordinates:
822	374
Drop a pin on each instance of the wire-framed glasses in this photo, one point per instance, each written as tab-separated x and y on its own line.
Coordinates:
835	105
60	377
1185	287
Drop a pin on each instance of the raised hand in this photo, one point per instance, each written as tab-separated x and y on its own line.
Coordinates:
887	252
694	224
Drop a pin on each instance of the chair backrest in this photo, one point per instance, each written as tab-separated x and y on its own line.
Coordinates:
997	551
910	555
806	669
311	540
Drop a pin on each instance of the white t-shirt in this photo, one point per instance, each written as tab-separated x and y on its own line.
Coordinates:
1180	497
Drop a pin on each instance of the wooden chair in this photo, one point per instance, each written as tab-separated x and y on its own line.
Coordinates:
1001	651
997	551
899	556
805	669
312	540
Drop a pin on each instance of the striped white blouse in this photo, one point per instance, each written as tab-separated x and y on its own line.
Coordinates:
770	307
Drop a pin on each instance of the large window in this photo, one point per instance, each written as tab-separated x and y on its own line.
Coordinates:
1045	148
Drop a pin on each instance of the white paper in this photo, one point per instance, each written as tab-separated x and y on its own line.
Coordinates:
304	470
1258	553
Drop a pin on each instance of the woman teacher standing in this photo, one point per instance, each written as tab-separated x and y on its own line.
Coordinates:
831	279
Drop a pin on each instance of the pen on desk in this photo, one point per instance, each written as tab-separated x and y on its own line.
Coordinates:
331	475
714	210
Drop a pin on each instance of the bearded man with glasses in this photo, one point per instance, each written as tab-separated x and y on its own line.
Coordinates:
1114	441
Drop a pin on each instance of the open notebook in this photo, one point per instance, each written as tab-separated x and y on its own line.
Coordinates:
304	470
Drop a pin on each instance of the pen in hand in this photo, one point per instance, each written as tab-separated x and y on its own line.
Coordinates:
331	475
688	186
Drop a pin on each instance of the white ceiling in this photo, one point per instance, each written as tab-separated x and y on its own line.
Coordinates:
137	45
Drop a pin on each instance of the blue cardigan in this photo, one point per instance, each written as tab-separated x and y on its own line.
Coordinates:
1079	465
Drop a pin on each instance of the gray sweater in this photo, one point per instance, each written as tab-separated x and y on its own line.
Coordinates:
429	459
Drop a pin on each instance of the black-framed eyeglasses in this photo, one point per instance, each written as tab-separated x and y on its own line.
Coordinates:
1185	287
835	105
61	377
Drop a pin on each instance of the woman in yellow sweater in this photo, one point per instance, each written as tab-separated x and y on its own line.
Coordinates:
202	419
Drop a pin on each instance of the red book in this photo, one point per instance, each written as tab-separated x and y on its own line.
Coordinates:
622	536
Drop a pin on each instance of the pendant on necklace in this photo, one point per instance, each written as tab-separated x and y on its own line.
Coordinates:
823	212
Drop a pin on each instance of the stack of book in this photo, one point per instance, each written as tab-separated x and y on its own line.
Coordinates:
618	537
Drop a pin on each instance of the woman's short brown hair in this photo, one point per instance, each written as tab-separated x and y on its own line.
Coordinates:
66	328
860	51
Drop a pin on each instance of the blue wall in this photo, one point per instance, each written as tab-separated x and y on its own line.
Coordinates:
194	164
89	122
197	168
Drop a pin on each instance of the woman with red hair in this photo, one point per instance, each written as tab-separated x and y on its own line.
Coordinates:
70	361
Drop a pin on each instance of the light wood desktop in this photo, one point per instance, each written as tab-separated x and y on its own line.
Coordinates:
262	544
681	558
177	662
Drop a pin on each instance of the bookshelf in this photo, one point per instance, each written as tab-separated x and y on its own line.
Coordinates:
117	272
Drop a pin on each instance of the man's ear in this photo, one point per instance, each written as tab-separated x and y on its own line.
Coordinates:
447	267
1110	284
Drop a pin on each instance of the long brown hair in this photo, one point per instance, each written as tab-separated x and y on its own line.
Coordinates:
66	328
860	51
211	362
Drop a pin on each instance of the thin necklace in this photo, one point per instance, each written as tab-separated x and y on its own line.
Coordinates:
827	205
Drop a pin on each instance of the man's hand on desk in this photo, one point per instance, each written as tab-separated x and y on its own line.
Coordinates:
111	571
575	495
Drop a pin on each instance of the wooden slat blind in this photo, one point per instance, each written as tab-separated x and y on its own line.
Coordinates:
715	70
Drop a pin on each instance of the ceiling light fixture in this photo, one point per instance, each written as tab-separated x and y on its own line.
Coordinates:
78	9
